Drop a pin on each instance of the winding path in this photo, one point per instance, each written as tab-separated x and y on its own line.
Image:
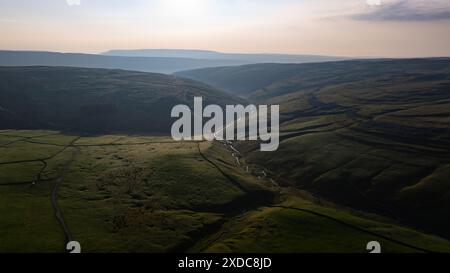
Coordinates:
354	227
395	241
60	179
54	198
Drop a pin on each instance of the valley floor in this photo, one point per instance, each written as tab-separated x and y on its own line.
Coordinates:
117	193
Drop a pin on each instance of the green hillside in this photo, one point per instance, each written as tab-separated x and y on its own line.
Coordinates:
134	193
374	134
370	149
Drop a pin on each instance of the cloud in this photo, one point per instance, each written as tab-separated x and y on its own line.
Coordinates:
374	2
73	2
405	10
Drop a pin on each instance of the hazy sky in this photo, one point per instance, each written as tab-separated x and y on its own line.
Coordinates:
335	27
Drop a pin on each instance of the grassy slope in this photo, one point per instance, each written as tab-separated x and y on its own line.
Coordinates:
369	134
121	194
96	100
158	196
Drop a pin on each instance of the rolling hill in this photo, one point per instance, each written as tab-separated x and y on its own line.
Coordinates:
371	134
242	80
143	64
129	192
155	61
95	100
246	79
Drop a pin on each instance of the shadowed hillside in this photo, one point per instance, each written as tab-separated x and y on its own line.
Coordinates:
289	78
95	100
370	134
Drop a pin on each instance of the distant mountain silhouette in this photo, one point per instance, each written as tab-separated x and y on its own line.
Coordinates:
144	64
156	61
205	54
172	53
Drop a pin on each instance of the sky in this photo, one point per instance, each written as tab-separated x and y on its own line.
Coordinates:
379	28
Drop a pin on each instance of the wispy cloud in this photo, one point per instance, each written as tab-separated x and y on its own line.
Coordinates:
406	10
73	2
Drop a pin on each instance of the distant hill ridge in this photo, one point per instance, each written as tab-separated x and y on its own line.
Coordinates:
247	58
159	61
143	64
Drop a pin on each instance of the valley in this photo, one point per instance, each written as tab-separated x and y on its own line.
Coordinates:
135	193
370	134
213	135
85	155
